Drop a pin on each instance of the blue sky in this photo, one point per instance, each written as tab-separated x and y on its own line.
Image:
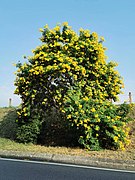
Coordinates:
20	21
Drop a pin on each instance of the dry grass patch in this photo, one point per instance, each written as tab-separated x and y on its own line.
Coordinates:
6	144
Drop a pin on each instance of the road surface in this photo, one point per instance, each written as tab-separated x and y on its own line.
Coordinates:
33	170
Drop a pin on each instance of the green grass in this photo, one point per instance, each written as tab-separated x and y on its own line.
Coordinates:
7	143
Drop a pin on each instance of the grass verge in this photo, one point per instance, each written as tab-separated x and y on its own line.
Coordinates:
9	145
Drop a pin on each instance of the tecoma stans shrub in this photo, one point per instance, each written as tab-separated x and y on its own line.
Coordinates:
65	60
101	123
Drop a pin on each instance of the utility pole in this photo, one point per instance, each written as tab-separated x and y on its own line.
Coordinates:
130	98
10	102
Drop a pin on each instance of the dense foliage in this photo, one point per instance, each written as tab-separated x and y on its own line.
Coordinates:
65	66
102	124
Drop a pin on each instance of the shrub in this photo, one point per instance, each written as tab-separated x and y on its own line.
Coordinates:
65	62
28	132
56	131
8	126
103	124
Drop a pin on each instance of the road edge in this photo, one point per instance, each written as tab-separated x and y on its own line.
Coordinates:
68	159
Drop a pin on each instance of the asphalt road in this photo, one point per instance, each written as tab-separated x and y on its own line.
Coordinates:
29	170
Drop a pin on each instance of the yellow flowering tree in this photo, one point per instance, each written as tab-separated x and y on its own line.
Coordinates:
64	61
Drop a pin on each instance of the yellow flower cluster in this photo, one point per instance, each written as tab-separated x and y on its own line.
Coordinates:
121	145
115	138
37	70
85	98
93	110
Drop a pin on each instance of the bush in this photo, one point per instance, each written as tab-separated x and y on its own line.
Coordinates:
56	131
103	124
8	126
28	132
